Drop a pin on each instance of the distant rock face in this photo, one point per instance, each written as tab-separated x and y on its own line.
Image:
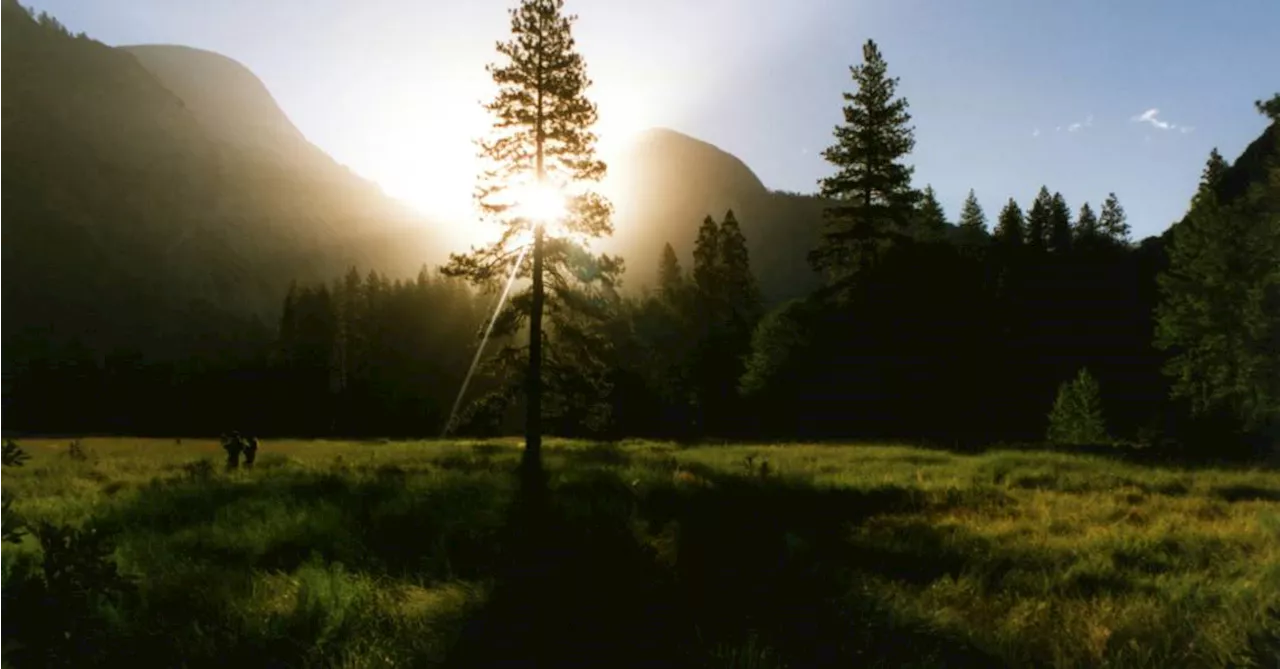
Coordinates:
226	99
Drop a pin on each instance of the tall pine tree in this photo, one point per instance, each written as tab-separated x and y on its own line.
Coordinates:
727	308
541	139
1219	313
973	222
1087	228
1059	224
1113	222
742	294
1040	220
931	219
670	278
872	199
1010	226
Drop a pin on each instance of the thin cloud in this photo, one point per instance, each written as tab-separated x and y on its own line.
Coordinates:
1076	126
1080	125
1150	115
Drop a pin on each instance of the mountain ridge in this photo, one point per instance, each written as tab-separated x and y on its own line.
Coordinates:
123	213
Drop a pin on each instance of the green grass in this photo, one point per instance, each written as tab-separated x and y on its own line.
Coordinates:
341	554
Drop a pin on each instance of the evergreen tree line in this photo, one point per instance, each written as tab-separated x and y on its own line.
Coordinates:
362	355
1046	323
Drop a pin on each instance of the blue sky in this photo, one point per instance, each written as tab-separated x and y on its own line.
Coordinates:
391	87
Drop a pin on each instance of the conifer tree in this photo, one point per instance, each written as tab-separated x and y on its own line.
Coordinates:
1215	170
931	219
1059	224
1113	222
973	221
706	257
1087	228
1077	413
670	278
741	292
542	141
1040	220
1010	227
1269	108
871	194
726	309
1219	312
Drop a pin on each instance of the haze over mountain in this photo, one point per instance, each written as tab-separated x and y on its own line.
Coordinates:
143	181
145	188
667	182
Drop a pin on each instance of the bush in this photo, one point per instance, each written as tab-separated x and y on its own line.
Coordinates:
1077	413
12	528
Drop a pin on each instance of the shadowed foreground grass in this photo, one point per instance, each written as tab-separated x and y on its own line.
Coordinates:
432	554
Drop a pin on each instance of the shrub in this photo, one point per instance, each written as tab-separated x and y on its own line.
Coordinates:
1077	413
12	527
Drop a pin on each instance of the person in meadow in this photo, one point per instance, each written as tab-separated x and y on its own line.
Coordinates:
233	446
250	451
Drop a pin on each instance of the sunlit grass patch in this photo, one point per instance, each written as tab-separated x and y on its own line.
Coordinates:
363	554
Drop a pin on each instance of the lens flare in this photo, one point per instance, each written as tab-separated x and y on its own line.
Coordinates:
541	203
488	330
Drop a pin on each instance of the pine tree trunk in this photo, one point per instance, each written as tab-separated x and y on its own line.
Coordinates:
533	417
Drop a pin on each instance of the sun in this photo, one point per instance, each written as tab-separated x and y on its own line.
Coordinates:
540	203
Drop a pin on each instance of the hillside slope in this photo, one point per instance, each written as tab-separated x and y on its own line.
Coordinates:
132	223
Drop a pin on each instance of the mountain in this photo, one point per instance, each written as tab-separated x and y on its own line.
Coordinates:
151	193
665	183
228	101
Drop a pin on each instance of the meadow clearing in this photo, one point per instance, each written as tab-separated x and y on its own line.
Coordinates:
374	554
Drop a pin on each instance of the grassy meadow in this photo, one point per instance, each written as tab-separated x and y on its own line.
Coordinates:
346	554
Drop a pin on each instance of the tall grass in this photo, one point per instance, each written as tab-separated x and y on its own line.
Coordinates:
342	554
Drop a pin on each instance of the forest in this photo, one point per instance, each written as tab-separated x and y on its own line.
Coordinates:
828	429
963	331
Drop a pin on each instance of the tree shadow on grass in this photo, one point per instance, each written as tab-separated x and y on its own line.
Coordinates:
741	573
601	569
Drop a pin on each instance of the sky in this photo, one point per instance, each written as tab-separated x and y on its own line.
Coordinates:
1084	96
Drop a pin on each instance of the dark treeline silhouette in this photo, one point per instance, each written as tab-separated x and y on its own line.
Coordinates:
919	328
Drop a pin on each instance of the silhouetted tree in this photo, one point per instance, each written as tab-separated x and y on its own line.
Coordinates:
973	221
1040	220
670	278
727	307
1113	222
1011	227
872	201
1087	231
742	295
1269	108
931	220
1059	224
542	138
